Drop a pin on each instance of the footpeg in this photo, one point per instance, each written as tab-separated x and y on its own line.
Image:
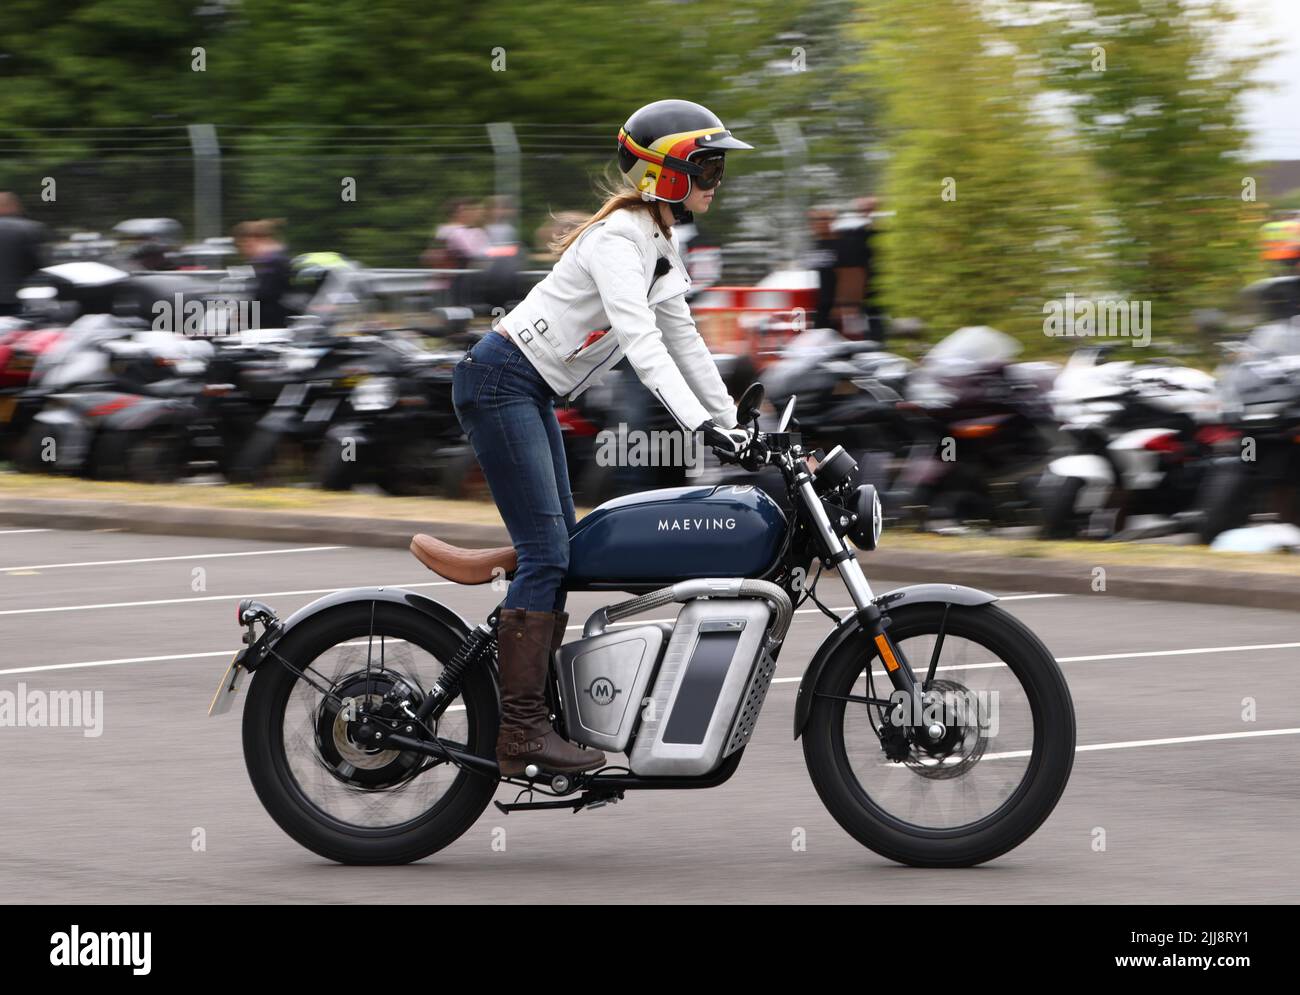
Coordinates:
560	783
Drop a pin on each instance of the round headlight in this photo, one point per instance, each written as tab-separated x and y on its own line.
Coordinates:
866	529
836	468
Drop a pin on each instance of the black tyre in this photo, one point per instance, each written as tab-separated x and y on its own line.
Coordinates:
414	468
30	450
271	459
334	472
342	800
159	456
1223	498
978	792
1059	497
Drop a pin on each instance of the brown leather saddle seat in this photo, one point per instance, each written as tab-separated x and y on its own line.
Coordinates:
464	566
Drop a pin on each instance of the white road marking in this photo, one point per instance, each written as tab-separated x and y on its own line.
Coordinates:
164	559
211	597
1167	741
1254	647
19	532
121	660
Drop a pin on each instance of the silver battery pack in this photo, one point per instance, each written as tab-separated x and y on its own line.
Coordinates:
603	679
706	671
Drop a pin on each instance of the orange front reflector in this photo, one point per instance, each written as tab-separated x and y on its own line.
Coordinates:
886	653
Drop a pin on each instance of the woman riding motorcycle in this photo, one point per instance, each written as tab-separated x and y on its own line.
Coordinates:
617	289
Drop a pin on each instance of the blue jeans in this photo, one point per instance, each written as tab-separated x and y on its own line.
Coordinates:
508	412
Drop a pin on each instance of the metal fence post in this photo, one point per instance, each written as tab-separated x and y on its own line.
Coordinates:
506	156
207	180
794	154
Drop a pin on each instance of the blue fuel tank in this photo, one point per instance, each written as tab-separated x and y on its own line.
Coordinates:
676	533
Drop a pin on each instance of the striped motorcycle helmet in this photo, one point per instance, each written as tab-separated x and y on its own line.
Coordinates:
667	144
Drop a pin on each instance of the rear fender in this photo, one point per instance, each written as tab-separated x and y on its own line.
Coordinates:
428	608
952	594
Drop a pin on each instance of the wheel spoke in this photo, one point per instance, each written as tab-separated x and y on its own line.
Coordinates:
938	785
359	785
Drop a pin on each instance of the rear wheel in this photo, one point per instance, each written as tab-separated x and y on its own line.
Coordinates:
346	800
993	776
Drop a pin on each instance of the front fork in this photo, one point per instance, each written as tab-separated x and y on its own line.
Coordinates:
874	622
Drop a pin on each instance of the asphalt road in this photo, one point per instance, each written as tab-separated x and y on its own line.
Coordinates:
1193	802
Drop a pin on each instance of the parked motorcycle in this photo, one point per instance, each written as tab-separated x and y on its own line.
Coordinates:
371	719
849	393
196	422
1138	437
398	429
1257	468
982	432
315	383
113	373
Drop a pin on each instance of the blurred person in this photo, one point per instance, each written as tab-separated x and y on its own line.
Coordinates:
459	244
502	259
259	242
821	260
854	294
22	251
617	273
500	228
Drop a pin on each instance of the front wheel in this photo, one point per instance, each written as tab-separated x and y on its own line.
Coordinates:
1224	498
1060	495
987	782
344	799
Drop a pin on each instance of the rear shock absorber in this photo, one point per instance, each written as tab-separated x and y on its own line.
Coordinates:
471	652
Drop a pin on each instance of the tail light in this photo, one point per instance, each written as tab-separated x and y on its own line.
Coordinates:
1167	443
570	420
1212	435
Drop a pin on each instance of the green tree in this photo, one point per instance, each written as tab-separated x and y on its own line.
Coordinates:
993	203
1157	98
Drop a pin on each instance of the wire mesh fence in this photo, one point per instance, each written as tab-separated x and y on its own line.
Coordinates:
378	194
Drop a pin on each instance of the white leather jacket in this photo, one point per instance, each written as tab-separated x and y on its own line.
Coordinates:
620	290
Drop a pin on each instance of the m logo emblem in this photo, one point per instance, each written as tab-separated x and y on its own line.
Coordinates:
602	691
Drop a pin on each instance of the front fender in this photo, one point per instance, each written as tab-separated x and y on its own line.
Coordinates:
953	594
392	595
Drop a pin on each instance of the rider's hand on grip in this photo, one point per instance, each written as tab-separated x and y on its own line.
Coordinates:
729	443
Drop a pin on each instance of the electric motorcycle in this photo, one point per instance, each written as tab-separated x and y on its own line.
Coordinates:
937	729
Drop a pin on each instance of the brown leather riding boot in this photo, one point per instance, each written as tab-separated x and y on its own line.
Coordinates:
525	736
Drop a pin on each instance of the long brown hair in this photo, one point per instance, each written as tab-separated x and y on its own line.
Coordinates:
617	197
